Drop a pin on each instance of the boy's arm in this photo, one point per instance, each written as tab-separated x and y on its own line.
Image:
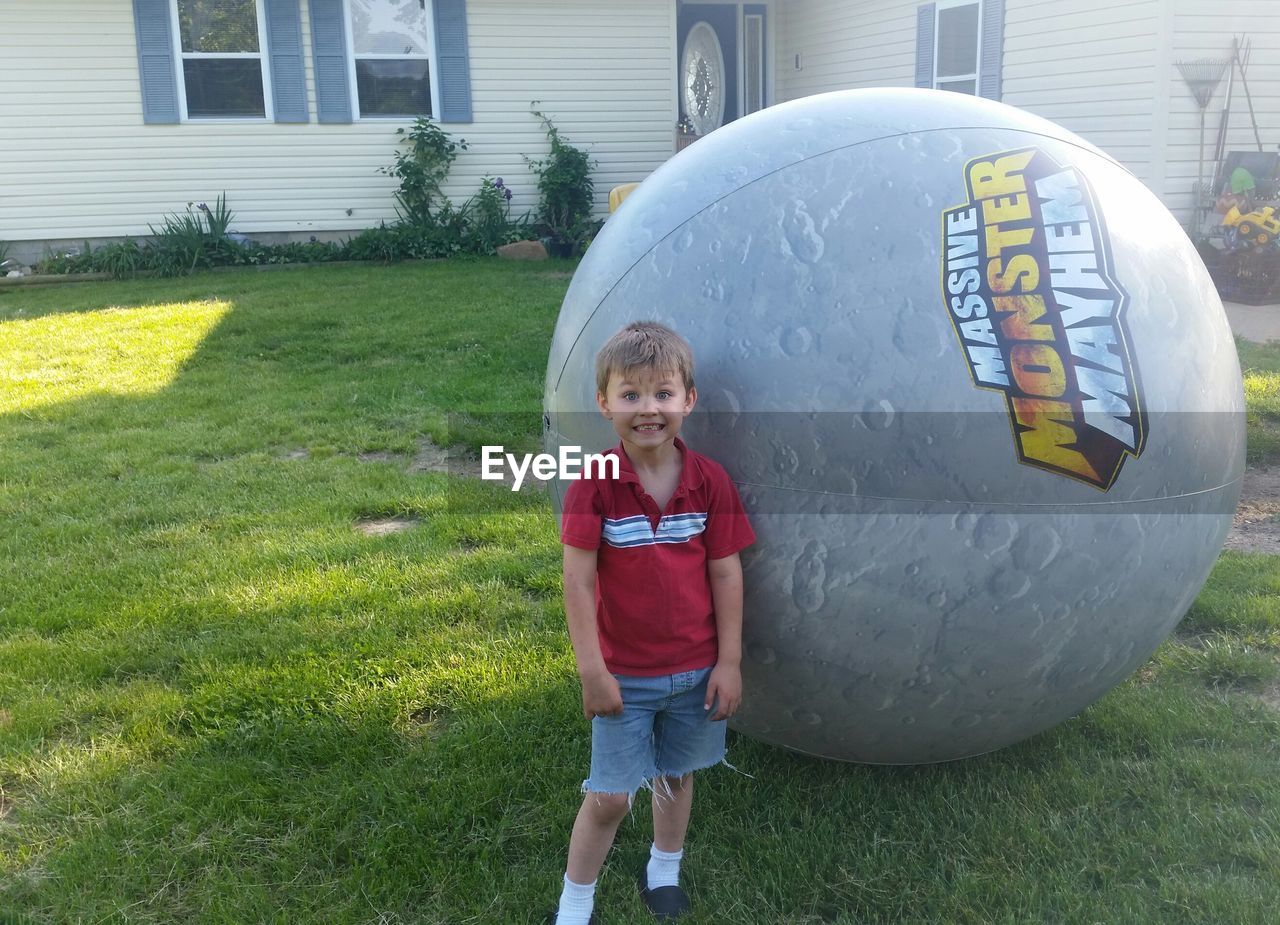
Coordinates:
600	693
725	683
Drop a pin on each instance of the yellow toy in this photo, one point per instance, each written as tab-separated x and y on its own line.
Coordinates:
619	193
1259	227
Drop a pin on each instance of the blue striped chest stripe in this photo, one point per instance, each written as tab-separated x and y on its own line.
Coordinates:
636	531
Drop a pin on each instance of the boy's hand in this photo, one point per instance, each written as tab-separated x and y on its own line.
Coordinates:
724	689
601	695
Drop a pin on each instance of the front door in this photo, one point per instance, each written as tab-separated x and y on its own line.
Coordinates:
721	63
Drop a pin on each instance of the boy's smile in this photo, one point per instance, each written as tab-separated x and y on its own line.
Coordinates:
646	409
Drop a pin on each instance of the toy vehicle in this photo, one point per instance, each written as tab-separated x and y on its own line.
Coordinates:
1259	227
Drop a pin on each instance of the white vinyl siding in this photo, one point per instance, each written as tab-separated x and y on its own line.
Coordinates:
78	162
1090	66
844	44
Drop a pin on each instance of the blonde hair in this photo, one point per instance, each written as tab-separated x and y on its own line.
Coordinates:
644	345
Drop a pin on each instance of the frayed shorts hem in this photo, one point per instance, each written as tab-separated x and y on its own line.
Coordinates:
655	783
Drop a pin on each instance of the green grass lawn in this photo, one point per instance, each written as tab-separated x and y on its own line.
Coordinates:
1261	367
219	702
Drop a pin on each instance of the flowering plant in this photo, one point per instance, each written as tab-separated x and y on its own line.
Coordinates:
487	217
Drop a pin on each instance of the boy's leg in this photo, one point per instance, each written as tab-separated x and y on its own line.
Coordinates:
685	740
593	833
621	760
672	804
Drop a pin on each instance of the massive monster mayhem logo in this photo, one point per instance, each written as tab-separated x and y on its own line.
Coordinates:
1028	282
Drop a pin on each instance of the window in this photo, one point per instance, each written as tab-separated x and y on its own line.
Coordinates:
222	70
956	53
391	46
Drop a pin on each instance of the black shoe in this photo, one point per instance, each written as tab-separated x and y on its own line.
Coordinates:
667	903
551	917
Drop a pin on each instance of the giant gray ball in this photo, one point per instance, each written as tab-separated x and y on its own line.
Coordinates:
976	389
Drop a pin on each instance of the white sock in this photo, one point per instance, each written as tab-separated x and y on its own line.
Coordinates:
576	902
664	867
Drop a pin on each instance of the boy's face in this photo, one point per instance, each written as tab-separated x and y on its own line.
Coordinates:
646	406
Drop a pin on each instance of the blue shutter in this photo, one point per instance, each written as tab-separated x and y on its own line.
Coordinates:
329	55
991	44
452	66
156	70
284	45
926	17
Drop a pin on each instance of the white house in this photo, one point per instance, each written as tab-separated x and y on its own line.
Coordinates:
115	112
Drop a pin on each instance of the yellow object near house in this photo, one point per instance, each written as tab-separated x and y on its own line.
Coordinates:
1258	227
619	193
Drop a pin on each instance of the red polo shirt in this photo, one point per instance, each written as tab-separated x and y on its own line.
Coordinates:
653	594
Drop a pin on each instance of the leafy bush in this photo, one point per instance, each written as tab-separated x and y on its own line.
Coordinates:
68	261
421	170
196	238
430	224
254	254
119	259
566	190
488	214
374	244
179	245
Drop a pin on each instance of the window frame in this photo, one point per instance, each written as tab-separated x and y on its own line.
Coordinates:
262	54
432	56
976	76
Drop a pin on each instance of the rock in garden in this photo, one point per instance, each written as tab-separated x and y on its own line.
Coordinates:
523	250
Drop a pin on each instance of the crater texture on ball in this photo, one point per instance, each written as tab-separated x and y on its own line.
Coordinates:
974	517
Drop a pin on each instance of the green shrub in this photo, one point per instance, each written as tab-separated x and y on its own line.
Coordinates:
489	224
68	262
120	258
381	244
421	169
566	191
196	238
254	254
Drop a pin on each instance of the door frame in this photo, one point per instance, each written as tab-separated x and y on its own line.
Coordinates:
738	55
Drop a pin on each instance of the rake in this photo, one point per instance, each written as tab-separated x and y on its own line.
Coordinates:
1202	77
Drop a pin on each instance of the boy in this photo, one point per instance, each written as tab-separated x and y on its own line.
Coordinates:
653	596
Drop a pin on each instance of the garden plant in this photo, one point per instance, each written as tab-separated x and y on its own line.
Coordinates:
566	191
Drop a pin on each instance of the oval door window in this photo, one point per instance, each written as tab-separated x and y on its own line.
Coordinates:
702	79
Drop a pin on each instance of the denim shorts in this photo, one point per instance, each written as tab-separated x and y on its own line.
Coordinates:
663	730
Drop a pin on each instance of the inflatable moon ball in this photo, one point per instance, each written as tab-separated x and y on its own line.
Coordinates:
976	389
